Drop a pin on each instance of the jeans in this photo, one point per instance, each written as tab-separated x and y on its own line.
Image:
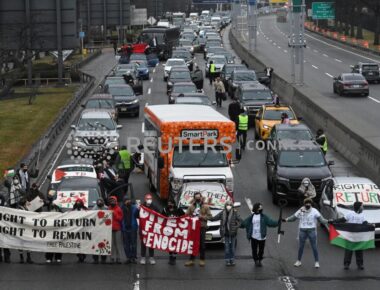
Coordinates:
310	234
130	244
143	251
116	240
242	138
348	257
202	245
219	99
258	247
229	248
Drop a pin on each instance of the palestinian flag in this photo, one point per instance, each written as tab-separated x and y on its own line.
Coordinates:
10	172
352	236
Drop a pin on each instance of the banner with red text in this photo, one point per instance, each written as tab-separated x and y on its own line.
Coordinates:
180	235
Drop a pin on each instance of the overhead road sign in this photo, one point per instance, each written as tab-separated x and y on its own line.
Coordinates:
152	20
323	10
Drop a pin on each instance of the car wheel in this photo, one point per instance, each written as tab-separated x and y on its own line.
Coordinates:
274	194
257	136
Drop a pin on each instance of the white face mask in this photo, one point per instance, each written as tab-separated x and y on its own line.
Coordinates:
228	207
149	201
15	182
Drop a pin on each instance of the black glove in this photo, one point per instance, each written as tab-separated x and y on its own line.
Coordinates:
330	221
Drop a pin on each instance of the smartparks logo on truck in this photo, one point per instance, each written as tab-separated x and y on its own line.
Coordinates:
199	134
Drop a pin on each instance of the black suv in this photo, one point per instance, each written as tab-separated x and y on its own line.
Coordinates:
252	96
289	162
227	70
369	70
238	77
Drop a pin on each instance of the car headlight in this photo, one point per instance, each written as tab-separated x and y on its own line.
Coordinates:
192	49
134	101
77	139
266	127
230	184
205	49
177	183
282	178
115	138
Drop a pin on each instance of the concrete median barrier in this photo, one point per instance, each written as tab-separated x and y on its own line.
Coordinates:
363	154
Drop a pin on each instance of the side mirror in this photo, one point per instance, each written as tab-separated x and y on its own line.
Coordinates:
330	163
118	127
327	202
160	162
73	127
237	204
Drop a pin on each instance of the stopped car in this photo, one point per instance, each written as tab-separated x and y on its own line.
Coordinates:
218	60
214	50
173	62
67	192
72	168
187	44
369	70
186	56
136	84
341	192
193	99
181	88
270	115
289	163
351	84
252	96
104	102
297	132
215	195
141	70
227	70
177	75
239	77
126	101
95	133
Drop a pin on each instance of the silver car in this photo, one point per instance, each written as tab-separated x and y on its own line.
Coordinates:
95	133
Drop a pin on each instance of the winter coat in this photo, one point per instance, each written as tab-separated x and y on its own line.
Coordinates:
265	222
233	223
234	110
204	213
219	87
25	178
308	192
117	216
16	193
134	214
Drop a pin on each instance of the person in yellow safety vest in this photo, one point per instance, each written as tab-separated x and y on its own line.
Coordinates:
124	163
322	140
242	128
212	71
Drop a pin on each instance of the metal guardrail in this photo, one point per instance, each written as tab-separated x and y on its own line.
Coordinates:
44	80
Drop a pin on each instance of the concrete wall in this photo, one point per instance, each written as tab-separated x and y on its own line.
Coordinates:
361	153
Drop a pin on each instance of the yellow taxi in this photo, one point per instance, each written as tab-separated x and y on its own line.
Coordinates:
270	115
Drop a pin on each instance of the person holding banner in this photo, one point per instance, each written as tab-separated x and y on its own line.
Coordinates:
52	207
79	206
129	227
229	224
99	206
199	208
6	252
22	206
171	210
117	217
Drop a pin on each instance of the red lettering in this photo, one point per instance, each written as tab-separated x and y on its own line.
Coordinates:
338	197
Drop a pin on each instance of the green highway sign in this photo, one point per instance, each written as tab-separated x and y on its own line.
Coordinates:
297	4
323	10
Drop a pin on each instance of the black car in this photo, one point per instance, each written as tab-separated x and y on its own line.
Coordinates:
227	70
289	162
239	77
136	84
125	99
181	88
252	96
296	132
177	75
351	84
371	71
185	55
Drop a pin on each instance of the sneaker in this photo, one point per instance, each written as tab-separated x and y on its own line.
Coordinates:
189	263
228	263
59	261
232	263
134	261
259	264
361	267
152	261
297	264
48	261
143	261
202	263
316	265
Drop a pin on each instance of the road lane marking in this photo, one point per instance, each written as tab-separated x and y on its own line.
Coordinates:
274	43
373	99
154	70
314	66
315	50
338	60
325	55
136	284
142	127
279	47
149	91
329	75
146	104
285	51
151	80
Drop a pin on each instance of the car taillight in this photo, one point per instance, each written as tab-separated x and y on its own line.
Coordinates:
347	85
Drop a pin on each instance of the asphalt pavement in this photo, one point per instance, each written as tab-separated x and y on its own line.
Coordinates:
250	182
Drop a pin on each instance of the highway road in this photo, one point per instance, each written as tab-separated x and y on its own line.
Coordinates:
250	182
324	59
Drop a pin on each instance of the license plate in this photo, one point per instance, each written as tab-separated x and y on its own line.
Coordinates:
370	74
208	237
356	86
123	109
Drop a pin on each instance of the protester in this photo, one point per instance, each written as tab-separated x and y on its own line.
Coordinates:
129	228
229	224
171	210
234	110
117	217
5	254
114	44
16	193
198	208
285	119
124	164
308	217
322	140
256	227
220	92
148	202
52	207
23	206
243	125
197	75
34	193
355	217
129	78
25	175
307	189
100	205
211	72
79	206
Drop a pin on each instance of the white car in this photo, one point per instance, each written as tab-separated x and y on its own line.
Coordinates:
215	195
170	63
340	194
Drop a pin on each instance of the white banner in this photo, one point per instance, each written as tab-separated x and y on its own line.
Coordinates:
76	232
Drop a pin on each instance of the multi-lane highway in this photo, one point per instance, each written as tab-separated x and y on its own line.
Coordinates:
250	182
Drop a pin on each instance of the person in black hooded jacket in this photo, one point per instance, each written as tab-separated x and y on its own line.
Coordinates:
7	254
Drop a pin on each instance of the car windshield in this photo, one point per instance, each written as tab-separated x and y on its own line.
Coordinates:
198	157
180	75
216	199
215	50
353	78
370	67
175	62
184	89
87	124
138	57
218	60
115	81
230	69
245	76
264	95
121	91
181	54
294	135
302	159
99	104
140	65
213	43
77	169
185	42
276	114
193	101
